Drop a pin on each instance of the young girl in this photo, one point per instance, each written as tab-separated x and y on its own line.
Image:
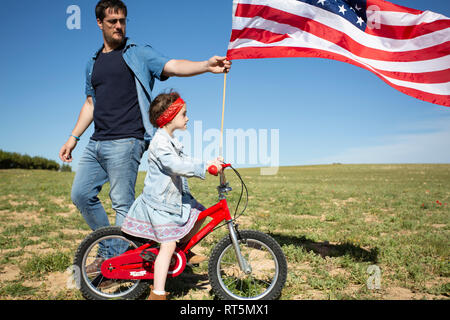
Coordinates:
166	211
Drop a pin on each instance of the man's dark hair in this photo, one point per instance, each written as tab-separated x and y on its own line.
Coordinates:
115	5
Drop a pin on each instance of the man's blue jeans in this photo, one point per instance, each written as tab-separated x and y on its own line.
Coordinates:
116	162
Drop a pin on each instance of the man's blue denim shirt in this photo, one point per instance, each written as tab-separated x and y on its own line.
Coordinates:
147	65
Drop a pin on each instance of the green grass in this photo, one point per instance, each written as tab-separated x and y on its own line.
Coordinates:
39	265
16	289
332	222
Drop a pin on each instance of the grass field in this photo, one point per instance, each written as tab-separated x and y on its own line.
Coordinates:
340	226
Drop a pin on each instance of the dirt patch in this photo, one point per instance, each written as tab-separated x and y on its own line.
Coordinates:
310	294
339	272
341	203
9	273
302	217
245	221
75	232
438	226
40	248
25	218
27	202
58	281
370	218
398	293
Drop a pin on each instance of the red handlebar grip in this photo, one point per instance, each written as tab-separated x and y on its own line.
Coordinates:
213	170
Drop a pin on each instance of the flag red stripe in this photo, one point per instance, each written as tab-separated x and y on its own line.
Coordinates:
260	35
282	52
387	6
408	32
338	37
268	37
424	77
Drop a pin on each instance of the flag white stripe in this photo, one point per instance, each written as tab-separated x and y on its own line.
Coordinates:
404	19
367	40
314	42
438	64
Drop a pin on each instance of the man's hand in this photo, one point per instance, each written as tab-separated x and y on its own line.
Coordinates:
219	65
84	121
65	154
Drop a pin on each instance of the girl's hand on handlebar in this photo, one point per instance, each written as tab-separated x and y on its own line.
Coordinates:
215	166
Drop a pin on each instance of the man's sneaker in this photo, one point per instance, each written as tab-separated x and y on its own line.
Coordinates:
94	267
193	258
106	284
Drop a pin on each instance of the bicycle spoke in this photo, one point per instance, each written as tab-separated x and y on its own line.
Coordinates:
263	266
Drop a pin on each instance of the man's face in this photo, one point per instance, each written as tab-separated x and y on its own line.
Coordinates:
113	26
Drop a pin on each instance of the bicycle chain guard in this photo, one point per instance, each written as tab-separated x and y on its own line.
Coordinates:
138	264
148	255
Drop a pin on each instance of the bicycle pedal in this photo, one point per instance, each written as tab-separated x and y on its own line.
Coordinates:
147	255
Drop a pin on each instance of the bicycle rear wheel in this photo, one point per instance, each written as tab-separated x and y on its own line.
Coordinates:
268	268
92	284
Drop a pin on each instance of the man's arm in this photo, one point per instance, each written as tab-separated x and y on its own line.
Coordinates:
186	68
84	121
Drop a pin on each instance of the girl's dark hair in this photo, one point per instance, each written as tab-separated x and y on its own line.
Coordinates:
115	5
160	104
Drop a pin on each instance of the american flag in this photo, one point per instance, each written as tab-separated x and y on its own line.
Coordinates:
408	49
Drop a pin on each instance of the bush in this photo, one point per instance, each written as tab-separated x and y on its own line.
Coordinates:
14	160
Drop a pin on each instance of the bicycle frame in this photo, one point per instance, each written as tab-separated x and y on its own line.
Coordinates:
219	212
133	265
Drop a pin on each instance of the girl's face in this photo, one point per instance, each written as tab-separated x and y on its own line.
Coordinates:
180	121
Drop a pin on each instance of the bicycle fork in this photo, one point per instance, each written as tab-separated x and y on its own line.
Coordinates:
243	264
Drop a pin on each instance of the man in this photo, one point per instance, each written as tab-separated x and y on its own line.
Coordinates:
119	80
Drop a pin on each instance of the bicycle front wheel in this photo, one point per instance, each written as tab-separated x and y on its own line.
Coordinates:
267	262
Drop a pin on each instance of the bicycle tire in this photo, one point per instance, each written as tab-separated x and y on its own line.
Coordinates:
85	284
224	280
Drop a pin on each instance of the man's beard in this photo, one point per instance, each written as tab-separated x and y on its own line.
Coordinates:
114	42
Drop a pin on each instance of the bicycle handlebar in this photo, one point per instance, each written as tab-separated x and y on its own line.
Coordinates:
224	187
213	170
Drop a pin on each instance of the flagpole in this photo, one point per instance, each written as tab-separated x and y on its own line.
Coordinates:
223	114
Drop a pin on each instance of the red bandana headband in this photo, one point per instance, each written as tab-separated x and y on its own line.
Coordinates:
170	113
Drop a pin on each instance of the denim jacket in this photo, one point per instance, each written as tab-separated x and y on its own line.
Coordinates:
165	186
147	65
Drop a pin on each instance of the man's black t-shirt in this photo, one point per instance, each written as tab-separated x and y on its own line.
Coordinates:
116	114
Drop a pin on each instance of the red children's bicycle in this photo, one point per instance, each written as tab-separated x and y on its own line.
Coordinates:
245	264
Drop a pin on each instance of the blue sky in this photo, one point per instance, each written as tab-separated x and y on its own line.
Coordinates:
325	111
